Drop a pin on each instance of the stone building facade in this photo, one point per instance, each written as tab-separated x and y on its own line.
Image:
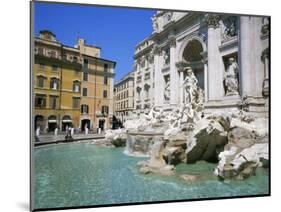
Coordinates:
144	76
228	54
124	97
62	96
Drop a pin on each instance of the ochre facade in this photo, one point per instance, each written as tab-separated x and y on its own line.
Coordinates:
61	76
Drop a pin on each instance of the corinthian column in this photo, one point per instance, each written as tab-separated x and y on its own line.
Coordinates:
215	70
158	81
252	68
245	53
173	72
265	57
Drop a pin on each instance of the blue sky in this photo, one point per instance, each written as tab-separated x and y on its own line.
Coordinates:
115	30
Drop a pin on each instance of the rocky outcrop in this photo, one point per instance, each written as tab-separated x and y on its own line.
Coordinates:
206	141
246	150
208	146
117	137
174	155
156	164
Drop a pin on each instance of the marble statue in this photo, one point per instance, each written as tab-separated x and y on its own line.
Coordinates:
230	78
190	85
232	30
228	29
223	30
166	57
167	90
154	24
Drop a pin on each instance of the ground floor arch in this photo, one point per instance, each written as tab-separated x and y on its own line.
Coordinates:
66	122
52	123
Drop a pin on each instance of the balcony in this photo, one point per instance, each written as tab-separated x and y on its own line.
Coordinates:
73	61
53	56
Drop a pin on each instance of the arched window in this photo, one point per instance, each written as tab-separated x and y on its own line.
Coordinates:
76	86
54	84
84	109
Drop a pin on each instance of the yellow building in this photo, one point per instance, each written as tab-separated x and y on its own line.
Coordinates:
97	88
59	75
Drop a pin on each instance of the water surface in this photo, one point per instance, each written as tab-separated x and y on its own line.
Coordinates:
82	174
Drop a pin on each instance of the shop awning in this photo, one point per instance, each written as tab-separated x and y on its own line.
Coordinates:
52	121
67	121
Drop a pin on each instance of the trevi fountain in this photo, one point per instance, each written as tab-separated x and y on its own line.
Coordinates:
213	143
172	153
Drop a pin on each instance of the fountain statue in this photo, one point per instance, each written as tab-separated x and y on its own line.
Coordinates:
230	78
154	24
190	85
167	90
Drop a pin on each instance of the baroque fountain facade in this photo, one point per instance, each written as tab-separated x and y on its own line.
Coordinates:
208	98
237	141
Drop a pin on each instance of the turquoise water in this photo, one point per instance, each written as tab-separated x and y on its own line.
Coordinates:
84	174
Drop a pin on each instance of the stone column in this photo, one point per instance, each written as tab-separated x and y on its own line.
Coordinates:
181	86
245	55
265	57
252	69
180	67
158	81
173	72
215	71
205	82
205	63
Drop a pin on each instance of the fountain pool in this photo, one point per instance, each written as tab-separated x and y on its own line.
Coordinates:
81	174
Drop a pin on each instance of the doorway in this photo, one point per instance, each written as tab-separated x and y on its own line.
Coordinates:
38	122
101	124
84	123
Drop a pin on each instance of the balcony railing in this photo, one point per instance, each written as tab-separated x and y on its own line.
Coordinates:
58	57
